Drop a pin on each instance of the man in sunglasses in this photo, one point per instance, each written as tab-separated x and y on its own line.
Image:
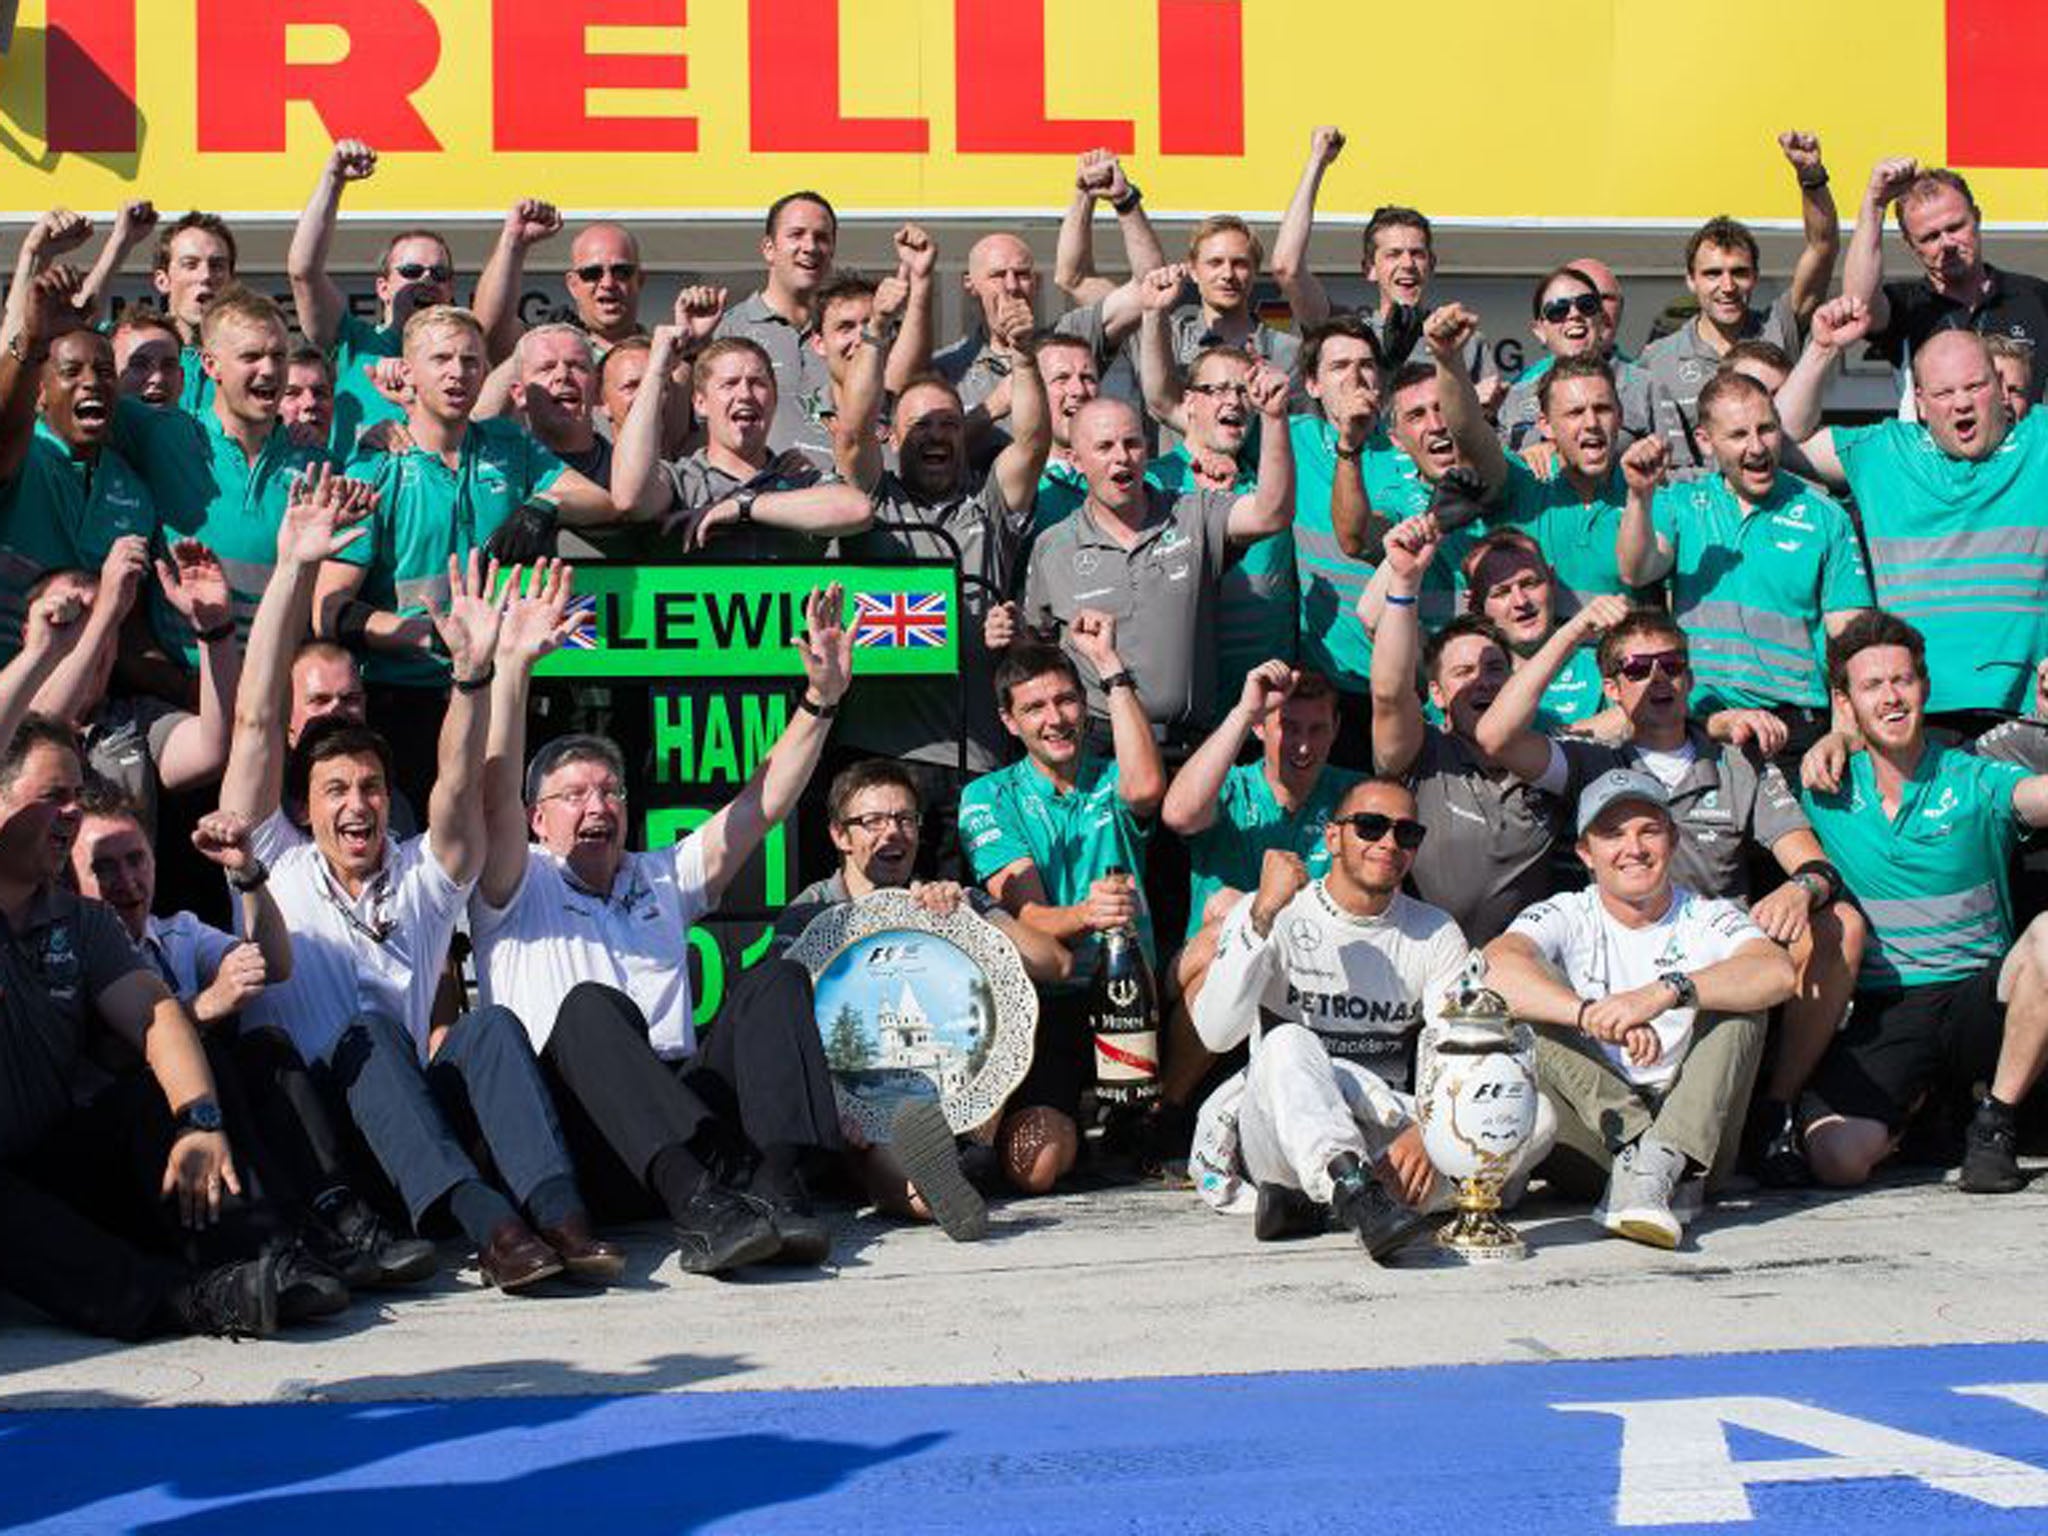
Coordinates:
1331	980
1763	567
1950	506
604	277
588	942
1568	316
1732	810
1722	265
415	272
1649	1002
1489	853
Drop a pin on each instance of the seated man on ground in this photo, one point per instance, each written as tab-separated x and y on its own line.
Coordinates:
875	816
1331	981
1649	1002
589	945
1059	839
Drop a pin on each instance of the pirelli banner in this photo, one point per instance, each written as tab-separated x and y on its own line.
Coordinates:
1575	111
693	670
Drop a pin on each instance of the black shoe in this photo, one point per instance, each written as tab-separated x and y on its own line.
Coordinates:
1384	1225
1782	1162
361	1247
804	1238
1283	1212
306	1287
720	1230
924	1145
1990	1147
232	1301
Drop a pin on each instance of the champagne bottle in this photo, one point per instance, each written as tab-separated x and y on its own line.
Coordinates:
1123	1016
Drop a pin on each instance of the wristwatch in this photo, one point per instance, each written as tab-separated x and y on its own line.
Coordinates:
1686	994
1117	680
744	500
252	875
199	1115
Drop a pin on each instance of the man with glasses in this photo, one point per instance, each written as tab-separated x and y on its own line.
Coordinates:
1332	980
1649	1002
604	277
875	815
1763	567
1731	808
589	945
371	920
416	272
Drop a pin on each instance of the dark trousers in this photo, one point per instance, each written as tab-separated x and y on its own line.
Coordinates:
759	1081
483	1085
303	1150
90	1237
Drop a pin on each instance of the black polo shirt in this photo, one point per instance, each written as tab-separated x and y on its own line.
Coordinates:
2017	307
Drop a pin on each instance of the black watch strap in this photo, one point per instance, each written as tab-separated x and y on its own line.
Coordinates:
810	707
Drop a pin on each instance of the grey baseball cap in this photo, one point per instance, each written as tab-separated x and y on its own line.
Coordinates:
1616	785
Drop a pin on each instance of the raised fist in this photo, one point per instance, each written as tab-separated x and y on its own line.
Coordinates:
1888	178
1841	322
917	254
352	160
1802	149
1325	145
1282	874
698	310
58	231
134	223
530	221
1645	462
1015	322
1267	389
1448	330
1159	289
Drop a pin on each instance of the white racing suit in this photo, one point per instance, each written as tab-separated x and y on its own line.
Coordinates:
1333	1005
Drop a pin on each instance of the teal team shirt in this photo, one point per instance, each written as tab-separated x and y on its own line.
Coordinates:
1061	489
196	393
1329	582
1934	879
1960	551
63	513
1229	852
1074	838
208	489
356	401
1255	612
1577	533
1751	589
426	512
1396	489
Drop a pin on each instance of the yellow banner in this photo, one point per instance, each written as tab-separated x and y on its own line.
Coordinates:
1577	111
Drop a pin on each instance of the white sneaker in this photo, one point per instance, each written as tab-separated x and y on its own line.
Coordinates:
1637	1204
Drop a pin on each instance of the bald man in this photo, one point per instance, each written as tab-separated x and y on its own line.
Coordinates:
1951	508
978	365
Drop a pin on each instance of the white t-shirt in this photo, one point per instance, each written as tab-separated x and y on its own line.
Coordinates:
185	952
1598	956
1363	985
382	952
555	932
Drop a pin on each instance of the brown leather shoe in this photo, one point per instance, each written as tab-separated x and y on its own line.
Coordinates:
514	1258
588	1257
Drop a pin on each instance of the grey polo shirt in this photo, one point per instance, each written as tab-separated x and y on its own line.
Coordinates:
125	740
1163	592
1192	336
799	370
974	367
1680	364
698	483
921	718
67	951
1488	853
1645	408
1726	804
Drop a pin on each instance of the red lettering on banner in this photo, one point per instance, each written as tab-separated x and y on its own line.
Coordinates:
394	47
541	68
1996	49
999	64
793	87
89	76
1201	77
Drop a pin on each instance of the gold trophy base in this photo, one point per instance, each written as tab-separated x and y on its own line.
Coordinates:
1477	1235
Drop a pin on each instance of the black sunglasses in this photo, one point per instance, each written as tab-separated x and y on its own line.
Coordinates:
1559	309
413	271
1637	668
1371	826
621	271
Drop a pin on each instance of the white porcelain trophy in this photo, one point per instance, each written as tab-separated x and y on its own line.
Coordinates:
1477	1105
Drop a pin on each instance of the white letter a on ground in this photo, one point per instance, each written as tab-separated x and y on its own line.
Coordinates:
1676	1470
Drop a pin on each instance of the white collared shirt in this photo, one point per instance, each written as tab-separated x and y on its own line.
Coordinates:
555	932
381	952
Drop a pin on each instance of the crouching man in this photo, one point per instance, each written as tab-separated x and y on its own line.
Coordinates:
1649	1002
1332	980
